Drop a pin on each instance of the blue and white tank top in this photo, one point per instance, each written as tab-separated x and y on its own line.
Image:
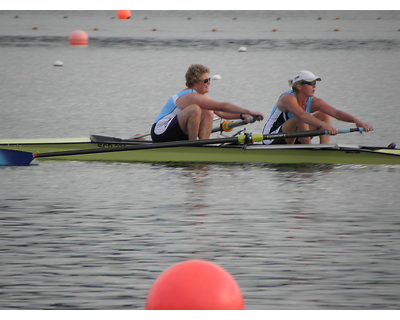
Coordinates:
277	118
169	111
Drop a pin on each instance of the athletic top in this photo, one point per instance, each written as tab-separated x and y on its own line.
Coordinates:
277	118
168	112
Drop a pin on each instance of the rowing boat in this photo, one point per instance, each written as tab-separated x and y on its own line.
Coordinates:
100	148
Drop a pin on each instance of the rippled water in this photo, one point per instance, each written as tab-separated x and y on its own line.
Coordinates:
77	235
291	236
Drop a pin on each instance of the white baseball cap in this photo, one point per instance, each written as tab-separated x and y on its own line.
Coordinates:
304	75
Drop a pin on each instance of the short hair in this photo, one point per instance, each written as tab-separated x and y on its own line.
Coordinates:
194	73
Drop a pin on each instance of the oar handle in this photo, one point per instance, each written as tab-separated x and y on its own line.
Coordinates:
360	129
256	118
227	126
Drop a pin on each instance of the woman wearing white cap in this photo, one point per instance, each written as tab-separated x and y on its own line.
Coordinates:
299	110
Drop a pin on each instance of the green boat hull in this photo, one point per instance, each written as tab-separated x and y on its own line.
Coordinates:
321	154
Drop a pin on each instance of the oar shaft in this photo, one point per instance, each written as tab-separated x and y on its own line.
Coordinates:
299	134
225	126
156	145
243	139
228	126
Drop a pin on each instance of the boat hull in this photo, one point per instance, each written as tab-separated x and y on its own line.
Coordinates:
322	154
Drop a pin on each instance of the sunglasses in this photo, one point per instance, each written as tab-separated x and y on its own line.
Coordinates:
206	80
310	83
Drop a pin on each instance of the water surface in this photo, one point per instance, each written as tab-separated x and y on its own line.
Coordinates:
82	235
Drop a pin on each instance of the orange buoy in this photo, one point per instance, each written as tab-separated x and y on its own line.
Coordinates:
195	285
78	38
124	14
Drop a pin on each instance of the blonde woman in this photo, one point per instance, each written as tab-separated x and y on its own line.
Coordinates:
188	115
299	110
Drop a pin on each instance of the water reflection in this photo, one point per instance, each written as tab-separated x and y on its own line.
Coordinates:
195	182
197	185
303	167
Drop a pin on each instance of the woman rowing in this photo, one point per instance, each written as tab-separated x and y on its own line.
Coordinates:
189	114
299	110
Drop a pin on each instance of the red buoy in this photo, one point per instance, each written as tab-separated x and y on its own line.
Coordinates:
78	38
195	285
124	14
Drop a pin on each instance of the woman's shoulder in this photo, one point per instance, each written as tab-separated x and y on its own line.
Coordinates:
287	95
186	91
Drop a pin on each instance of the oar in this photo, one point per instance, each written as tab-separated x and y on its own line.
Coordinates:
15	157
113	141
226	126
